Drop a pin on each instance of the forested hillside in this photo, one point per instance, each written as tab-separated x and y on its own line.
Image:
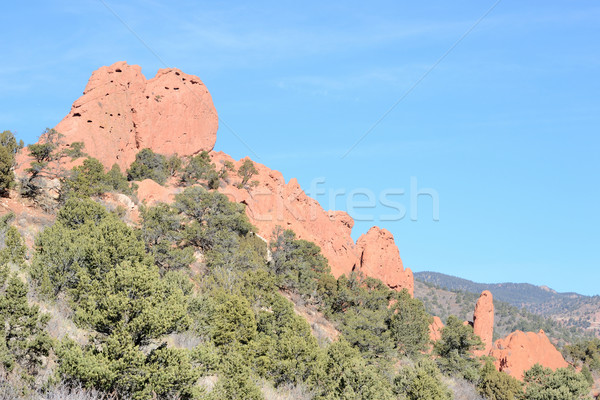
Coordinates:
507	318
579	315
187	302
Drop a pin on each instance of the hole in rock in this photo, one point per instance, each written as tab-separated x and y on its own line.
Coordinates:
101	127
118	70
147	97
177	73
89	121
175	88
166	88
77	115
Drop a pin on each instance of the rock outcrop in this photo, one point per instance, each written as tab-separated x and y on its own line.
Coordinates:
483	321
151	192
520	351
435	329
275	203
121	113
380	258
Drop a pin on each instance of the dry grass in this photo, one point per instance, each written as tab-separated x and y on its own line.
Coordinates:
462	389
208	382
287	392
322	329
61	322
63	392
185	340
13	389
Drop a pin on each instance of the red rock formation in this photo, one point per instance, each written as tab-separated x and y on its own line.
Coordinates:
29	218
435	329
121	113
274	203
380	258
520	351
150	192
483	321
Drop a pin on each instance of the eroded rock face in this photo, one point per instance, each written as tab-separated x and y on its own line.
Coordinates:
380	258
121	113
520	351
273	202
483	321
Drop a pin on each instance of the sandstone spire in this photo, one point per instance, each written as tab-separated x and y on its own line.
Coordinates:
483	321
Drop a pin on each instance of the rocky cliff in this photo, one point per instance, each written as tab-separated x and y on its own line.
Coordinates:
517	352
273	202
121	113
380	258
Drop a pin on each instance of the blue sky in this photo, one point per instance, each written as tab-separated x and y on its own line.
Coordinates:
505	128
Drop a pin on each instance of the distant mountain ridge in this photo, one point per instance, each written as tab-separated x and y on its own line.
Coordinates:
570	309
516	294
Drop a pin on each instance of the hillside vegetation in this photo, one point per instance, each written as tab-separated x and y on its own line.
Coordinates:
507	318
569	315
189	303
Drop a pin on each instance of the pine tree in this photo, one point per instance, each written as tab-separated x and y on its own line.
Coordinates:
23	341
455	349
495	385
